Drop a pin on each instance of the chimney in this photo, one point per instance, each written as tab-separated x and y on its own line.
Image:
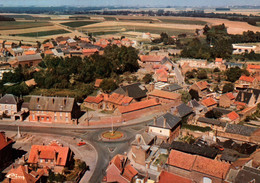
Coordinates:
164	122
154	121
242	97
26	169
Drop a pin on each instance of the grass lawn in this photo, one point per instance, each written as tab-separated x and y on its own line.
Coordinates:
161	159
179	21
110	135
43	33
6	25
79	23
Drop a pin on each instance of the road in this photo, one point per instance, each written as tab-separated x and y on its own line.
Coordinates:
105	150
179	75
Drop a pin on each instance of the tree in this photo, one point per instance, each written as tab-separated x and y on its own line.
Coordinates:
51	177
228	87
216	69
194	94
147	78
202	74
213	114
234	73
185	96
108	85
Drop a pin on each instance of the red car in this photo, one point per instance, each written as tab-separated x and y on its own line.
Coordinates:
81	143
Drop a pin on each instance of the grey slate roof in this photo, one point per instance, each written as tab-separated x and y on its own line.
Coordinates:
146	139
240	129
228	157
248	174
9	99
171	121
245	99
184	110
43	103
172	87
211	121
223	111
29	57
134	90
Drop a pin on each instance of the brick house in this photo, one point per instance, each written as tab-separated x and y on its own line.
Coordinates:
247	82
53	110
209	102
233	117
199	168
167	177
209	122
201	87
152	59
9	105
253	68
141	147
166	127
226	100
29	60
22	174
94	102
53	156
120	170
165	97
6	148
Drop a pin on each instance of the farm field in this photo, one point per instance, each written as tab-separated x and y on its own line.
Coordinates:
22	25
181	21
43	33
79	23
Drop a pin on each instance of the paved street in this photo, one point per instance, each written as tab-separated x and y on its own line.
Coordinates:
178	74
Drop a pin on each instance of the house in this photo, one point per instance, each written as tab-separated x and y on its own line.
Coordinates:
253	68
120	170
245	99
94	102
23	174
165	97
172	87
29	60
58	52
98	82
89	52
136	91
9	105
161	75
152	59
53	156
209	122
239	49
182	110
197	107
233	117
167	177
199	168
248	174
209	102
113	101
226	100
194	63
201	87
166	127
234	64
9	44
247	82
140	147
53	109
6	149
138	109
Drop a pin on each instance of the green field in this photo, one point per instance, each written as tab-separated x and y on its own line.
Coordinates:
22	25
79	23
43	33
79	17
177	21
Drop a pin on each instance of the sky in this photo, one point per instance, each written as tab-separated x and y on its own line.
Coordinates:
149	3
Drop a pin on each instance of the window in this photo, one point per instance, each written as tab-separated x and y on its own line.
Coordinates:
46	161
42	118
41	160
55	118
67	119
47	118
33	117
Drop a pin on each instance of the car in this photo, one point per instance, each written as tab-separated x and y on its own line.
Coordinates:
81	143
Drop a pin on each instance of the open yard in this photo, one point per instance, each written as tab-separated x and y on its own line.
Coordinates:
43	33
22	25
79	23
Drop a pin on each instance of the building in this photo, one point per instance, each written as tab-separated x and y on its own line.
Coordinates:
29	60
253	68
136	91
23	174
53	156
226	100
194	63
165	97
167	177
6	148
9	105
239	49
166	127
152	59
120	170
209	102
141	147
209	122
247	82
246	98
182	110
113	101
94	102
53	110
199	168
201	87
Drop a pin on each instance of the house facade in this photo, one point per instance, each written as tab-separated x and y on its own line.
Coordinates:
9	105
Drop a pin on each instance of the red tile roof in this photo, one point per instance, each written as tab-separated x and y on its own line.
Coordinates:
230	96
202	85
138	106
181	160
218	60
151	58
92	99
90	50
211	167
167	177
98	82
117	99
4	141
247	79
165	94
208	102
48	152
48	52
31	52
253	66
233	116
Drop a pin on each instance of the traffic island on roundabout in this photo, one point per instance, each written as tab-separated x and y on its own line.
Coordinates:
112	135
